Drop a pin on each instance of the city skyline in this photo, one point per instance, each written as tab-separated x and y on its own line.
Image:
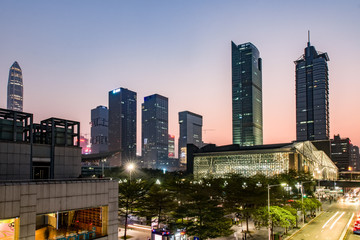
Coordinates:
70	60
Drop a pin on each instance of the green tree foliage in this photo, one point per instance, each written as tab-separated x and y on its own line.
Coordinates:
311	204
159	202
244	195
130	195
205	214
279	217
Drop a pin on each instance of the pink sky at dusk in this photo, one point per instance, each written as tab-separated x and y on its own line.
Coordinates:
73	53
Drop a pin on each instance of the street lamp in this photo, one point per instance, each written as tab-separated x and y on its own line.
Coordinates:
130	167
300	185
270	186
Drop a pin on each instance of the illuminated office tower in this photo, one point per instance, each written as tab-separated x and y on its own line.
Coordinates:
122	123
155	131
15	88
246	95
312	95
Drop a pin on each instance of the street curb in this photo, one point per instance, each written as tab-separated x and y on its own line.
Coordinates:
344	233
299	230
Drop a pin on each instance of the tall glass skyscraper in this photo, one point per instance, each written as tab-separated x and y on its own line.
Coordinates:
312	95
15	88
246	95
155	130
122	123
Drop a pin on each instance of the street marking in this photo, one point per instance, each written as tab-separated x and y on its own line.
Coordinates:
330	219
337	220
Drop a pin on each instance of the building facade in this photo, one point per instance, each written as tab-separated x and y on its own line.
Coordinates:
42	196
122	123
155	131
355	158
247	120
269	160
341	152
190	133
99	129
15	88
171	147
312	95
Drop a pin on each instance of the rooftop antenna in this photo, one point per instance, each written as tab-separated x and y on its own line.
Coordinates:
308	38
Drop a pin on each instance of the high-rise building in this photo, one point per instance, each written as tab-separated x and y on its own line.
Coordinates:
15	88
122	123
355	157
247	120
155	130
190	133
312	95
171	146
341	152
99	129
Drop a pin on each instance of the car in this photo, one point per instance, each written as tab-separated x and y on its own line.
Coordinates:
356	229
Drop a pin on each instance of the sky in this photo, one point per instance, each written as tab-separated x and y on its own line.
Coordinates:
72	53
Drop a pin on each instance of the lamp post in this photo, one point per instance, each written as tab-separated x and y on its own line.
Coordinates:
270	186
300	185
130	167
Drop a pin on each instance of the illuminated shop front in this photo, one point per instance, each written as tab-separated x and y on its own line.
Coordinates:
72	225
9	229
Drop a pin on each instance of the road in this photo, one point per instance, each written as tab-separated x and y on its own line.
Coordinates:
330	224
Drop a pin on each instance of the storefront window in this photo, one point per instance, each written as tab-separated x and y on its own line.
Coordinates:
72	225
9	229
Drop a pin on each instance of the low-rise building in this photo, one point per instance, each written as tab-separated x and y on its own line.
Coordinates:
269	160
41	194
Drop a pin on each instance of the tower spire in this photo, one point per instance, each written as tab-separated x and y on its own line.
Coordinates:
308	38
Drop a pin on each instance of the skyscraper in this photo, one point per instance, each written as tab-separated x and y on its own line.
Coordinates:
312	95
155	130
99	129
246	95
15	88
190	132
122	123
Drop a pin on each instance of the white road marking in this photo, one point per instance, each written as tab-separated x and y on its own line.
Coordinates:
330	219
337	220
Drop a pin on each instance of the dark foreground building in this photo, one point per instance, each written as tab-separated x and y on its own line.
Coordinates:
41	194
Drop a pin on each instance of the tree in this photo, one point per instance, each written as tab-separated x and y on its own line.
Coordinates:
130	195
159	202
244	195
205	214
279	217
311	204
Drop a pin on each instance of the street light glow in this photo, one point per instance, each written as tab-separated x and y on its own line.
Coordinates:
130	166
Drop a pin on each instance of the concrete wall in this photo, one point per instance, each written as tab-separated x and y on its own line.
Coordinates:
14	160
28	199
67	162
